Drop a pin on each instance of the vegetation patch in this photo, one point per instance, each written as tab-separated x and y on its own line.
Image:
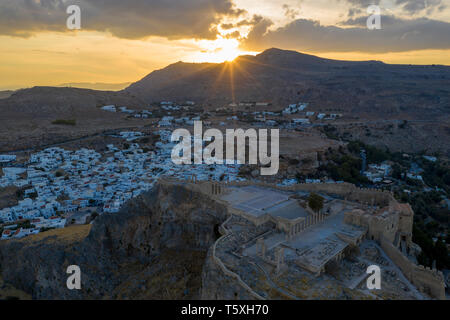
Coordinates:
64	122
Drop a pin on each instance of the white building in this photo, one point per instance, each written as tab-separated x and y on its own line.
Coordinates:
110	108
300	121
7	158
429	158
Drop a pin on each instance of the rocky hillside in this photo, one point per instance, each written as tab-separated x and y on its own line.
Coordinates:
154	249
282	77
28	115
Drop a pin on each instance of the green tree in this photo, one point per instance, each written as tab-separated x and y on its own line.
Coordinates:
315	202
441	255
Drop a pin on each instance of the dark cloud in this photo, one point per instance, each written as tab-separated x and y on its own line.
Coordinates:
396	35
387	21
243	23
227	26
414	6
233	35
354	12
131	19
254	21
409	6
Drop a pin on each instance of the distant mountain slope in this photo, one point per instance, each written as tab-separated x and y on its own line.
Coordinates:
27	116
48	102
283	77
96	86
6	94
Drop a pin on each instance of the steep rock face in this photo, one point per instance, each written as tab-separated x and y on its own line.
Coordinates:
217	286
154	248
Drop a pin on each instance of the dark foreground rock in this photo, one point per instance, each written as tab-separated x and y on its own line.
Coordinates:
155	248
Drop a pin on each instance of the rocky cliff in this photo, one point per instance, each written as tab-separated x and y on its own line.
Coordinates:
155	248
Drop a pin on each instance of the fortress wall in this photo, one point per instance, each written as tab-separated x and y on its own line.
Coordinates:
406	221
231	274
426	280
377	227
405	224
384	228
345	190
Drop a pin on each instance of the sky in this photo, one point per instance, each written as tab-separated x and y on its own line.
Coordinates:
122	41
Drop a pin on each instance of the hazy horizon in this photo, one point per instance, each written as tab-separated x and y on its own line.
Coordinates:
122	85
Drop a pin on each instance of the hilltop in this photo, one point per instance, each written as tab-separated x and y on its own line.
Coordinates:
370	88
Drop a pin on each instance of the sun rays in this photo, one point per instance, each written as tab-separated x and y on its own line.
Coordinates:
220	50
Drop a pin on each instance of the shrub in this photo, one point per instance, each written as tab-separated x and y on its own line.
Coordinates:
65	122
315	202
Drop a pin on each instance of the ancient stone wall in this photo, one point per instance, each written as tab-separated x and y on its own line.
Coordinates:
377	226
344	190
348	191
430	282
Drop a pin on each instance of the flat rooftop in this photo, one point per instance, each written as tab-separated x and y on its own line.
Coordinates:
315	258
259	201
289	209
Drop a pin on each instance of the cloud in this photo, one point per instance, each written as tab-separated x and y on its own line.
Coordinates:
131	19
233	35
414	6
408	6
254	21
397	35
227	26
290	12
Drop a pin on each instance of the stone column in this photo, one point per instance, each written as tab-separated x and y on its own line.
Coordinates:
279	259
262	247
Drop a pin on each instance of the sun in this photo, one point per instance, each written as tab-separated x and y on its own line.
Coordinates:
220	50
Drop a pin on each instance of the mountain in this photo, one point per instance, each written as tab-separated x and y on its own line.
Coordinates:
6	94
96	86
283	77
374	98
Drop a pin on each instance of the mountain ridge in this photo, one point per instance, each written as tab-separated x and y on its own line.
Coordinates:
283	77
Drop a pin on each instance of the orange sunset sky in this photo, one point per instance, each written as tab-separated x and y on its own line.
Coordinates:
122	41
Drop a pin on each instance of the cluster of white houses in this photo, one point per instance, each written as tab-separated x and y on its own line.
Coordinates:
56	181
295	108
169	121
136	114
4	158
259	116
377	173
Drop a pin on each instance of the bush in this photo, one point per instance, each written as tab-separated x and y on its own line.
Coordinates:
65	122
345	168
315	202
431	251
374	155
59	173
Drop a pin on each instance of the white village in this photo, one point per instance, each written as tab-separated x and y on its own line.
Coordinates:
68	186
